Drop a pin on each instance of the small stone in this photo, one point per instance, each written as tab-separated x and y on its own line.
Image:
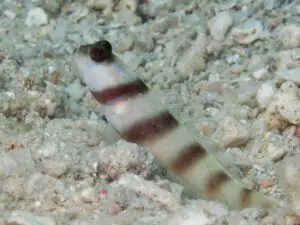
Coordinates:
53	77
194	59
9	14
36	17
247	32
275	151
52	6
54	168
126	17
7	165
127	4
232	59
122	157
79	14
265	94
122	41
156	8
149	190
193	215
290	36
88	195
273	119
289	172
256	63
226	5
264	181
260	73
288	59
269	4
100	4
25	217
284	108
290	75
163	24
298	9
75	90
15	187
237	69
219	25
133	58
232	133
214	48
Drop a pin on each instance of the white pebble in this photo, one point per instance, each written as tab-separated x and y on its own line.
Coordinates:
88	195
149	189
60	30
289	172
219	25
290	36
256	63
128	4
10	95
232	59
290	75
51	69
248	32
269	4
15	187
121	157
275	151
288	59
75	90
54	168
26	218
52	6
265	94
192	216
7	165
37	204
126	16
232	133
100	4
193	59
284	108
163	24
259	74
298	9
9	14
36	17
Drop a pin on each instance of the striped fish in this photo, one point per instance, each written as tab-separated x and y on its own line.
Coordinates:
139	116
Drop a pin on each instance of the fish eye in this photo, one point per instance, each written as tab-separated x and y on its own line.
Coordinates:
101	51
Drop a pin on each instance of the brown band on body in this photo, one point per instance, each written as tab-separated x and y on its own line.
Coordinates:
123	90
150	128
215	182
188	156
245	197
